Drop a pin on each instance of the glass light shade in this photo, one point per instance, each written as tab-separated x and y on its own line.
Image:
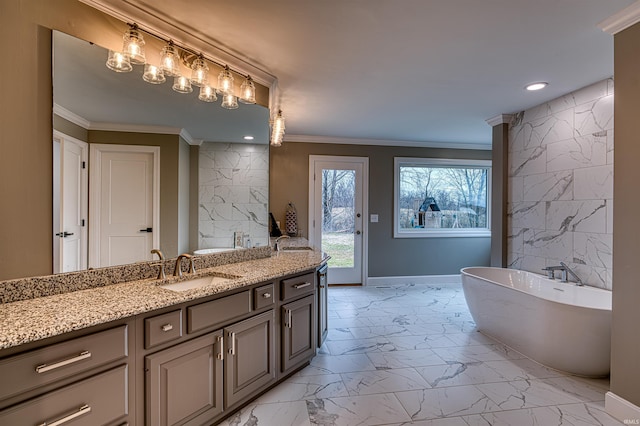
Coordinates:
153	74
199	72
133	46
207	94
229	101
277	129
225	81
118	62
276	139
248	91
170	60
181	84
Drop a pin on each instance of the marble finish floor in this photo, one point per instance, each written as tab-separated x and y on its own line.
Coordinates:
410	355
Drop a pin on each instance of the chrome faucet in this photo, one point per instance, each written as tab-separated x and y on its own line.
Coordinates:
177	272
161	274
550	270
566	270
276	245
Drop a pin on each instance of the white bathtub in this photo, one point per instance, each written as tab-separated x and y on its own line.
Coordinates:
560	325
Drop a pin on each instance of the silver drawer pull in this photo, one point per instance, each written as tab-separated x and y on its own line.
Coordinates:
85	409
266	295
167	327
220	356
299	286
48	367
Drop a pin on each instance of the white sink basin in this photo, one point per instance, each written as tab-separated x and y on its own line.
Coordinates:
198	282
294	248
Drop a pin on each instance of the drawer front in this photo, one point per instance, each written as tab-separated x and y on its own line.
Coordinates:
210	314
264	296
24	372
297	286
162	328
98	400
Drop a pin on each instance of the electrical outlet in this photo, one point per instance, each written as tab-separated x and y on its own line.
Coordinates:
374	218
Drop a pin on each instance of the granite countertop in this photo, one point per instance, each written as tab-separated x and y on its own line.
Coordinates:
30	320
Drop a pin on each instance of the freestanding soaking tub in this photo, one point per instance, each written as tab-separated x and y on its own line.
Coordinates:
560	325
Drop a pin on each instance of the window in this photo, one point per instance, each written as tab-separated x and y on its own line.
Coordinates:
441	198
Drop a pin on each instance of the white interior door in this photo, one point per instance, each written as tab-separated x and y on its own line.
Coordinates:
337	212
125	204
70	203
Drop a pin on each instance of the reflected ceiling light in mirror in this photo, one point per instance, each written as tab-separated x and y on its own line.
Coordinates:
153	74
229	101
181	84
225	81
133	46
199	72
118	62
170	60
277	129
207	94
248	91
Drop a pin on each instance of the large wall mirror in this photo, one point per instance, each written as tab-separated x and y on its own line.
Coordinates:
139	166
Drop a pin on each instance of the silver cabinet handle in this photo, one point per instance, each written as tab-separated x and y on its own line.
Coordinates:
220	355
85	409
232	336
299	286
266	295
48	367
289	318
167	327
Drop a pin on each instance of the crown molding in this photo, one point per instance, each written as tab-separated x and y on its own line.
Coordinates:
499	119
71	116
621	20
380	142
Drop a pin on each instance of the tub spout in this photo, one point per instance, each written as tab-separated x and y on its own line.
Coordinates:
568	271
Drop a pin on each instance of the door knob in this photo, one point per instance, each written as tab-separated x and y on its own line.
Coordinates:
64	234
358	232
147	230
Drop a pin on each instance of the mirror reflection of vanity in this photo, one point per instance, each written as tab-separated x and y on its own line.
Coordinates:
208	190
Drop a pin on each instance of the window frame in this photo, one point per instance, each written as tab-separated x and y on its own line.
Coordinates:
399	162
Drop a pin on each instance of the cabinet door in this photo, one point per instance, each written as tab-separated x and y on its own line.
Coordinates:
323	320
184	383
298	332
250	362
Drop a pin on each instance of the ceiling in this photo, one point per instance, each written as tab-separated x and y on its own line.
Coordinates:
405	71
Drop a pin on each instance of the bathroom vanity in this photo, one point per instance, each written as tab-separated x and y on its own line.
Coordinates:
160	357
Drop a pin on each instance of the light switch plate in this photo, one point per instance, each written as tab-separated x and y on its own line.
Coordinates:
374	218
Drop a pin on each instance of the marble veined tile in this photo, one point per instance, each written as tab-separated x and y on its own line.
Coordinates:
460	373
333	364
383	381
554	244
522	369
515	189
575	153
594	116
584	390
548	129
449	421
593	183
593	249
526	394
463	354
428	341
529	161
577	216
527	215
371	410
402	359
548	186
445	402
359	346
281	414
299	387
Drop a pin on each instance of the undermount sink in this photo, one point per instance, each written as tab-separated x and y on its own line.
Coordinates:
294	248
199	282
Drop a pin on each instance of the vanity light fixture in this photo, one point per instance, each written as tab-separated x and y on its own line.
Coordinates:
207	94
229	101
248	91
153	74
118	62
170	60
277	129
133	46
225	82
181	84
199	72
536	86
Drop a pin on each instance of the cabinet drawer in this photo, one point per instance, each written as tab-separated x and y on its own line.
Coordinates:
210	314
24	372
297	286
263	296
97	400
162	328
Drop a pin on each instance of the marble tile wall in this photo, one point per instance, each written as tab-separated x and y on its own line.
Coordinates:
560	201
233	193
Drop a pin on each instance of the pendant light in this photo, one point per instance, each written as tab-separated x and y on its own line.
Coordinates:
229	101
133	46
277	129
225	81
181	84
248	91
199	72
170	60
207	94
153	74
118	62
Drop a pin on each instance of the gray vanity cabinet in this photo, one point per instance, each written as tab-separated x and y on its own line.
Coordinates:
298	332
323	305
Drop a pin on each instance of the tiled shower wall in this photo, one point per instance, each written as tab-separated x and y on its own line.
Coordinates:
233	193
560	201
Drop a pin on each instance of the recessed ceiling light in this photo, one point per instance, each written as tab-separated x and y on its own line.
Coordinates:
536	86
248	138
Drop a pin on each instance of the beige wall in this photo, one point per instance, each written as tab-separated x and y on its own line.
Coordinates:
70	129
625	344
388	256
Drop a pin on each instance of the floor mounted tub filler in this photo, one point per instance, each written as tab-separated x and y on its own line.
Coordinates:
560	325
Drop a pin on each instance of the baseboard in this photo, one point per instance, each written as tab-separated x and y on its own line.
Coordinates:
419	279
621	409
